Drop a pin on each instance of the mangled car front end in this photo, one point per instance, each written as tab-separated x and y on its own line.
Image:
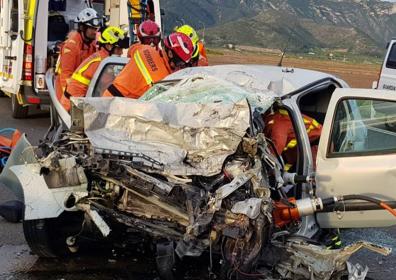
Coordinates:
190	177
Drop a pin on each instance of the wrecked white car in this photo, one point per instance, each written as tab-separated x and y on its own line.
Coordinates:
189	169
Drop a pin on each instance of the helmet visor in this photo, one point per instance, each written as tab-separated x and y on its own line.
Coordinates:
155	40
95	22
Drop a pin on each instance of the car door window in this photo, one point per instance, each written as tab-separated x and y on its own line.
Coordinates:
107	76
391	62
363	127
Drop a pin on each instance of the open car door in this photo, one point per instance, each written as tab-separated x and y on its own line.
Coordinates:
104	76
107	71
357	155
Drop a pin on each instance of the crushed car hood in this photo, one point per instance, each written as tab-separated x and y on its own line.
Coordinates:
188	129
259	78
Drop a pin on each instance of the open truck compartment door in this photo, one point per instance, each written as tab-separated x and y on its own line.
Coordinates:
12	44
357	155
119	13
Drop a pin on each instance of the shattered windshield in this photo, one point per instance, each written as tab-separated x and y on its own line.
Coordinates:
203	88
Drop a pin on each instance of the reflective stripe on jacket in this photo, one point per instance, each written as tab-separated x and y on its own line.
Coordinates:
81	78
310	125
73	52
146	67
279	128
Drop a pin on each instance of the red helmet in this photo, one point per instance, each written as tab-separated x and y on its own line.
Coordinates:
181	45
149	33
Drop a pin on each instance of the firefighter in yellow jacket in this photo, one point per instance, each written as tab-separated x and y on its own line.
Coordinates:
111	42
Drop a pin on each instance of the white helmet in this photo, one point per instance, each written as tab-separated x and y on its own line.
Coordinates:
89	17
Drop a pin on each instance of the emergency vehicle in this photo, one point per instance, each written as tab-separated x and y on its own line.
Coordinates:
387	76
30	32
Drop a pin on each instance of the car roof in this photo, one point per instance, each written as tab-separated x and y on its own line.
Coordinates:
275	79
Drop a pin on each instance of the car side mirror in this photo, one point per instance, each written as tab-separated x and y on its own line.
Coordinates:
162	12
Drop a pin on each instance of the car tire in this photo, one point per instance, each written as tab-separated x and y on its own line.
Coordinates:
18	111
2	94
47	237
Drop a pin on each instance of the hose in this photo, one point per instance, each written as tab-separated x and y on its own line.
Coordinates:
5	130
382	204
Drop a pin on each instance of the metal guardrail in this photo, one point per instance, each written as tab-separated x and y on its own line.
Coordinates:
63	115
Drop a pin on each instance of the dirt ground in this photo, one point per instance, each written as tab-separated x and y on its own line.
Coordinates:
356	75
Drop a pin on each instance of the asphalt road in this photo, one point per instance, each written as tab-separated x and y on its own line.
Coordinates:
16	262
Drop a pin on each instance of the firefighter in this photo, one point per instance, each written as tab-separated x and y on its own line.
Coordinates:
279	128
199	57
150	65
79	45
149	33
111	42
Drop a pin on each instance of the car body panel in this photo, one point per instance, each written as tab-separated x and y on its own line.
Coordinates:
282	81
42	202
61	112
372	175
309	225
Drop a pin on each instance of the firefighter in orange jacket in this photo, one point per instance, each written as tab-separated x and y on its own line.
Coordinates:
199	57
150	65
111	42
149	33
279	128
79	45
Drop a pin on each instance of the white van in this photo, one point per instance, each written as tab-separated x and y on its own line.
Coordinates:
29	32
387	77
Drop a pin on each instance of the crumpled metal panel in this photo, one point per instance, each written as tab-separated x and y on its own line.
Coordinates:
249	207
41	202
259	78
316	262
188	138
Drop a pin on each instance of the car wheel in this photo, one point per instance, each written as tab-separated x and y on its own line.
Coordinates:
47	237
18	111
2	94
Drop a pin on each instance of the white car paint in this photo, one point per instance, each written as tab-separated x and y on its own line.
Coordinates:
42	202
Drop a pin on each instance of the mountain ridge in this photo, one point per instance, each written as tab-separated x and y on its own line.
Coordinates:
360	26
